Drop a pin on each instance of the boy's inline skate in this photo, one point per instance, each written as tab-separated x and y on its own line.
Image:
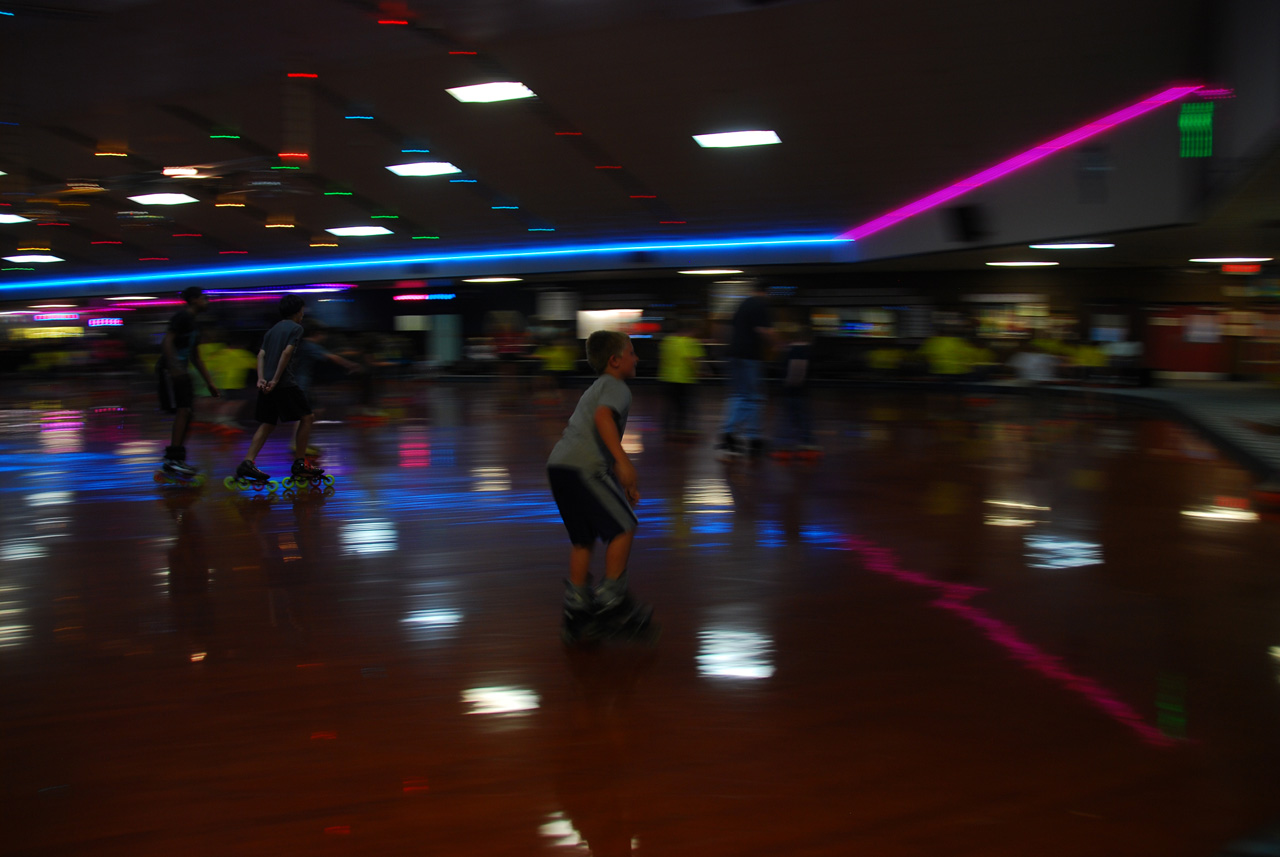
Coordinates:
612	615
249	478
174	470
304	474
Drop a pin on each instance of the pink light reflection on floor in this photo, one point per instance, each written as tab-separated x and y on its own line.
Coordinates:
955	597
1018	161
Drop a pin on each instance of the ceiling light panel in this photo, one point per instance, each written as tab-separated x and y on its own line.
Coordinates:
736	139
424	168
32	258
163	199
358	230
482	93
1070	246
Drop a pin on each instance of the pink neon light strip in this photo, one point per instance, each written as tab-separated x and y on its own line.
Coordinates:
1019	161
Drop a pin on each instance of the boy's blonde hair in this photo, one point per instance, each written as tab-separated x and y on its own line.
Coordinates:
604	344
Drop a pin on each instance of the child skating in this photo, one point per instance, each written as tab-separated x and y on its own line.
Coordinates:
179	352
280	399
594	485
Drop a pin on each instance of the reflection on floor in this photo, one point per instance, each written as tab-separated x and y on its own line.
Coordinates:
971	627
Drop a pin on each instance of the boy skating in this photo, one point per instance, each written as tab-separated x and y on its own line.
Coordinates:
280	399
594	485
173	380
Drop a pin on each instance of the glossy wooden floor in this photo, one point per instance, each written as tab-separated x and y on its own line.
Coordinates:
972	628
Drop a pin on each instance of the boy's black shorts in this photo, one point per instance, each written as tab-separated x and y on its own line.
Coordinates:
281	405
593	506
174	392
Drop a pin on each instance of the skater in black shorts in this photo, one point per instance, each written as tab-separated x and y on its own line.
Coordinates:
280	399
173	379
594	485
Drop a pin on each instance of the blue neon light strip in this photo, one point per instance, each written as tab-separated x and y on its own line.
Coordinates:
366	262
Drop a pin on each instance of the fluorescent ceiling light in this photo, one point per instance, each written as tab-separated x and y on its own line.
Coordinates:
180	171
485	92
732	139
1078	246
131	298
1232	260
358	230
14	218
3	173
1017	162
34	258
52	306
1021	264
424	168
492	279
163	199
713	271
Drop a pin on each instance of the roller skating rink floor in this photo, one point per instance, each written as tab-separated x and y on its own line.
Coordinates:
984	626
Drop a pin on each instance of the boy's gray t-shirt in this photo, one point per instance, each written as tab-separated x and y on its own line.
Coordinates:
278	338
580	446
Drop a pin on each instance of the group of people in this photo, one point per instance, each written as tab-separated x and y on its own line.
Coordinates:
286	364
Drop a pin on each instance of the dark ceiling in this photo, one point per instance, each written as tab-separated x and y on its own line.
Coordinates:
875	104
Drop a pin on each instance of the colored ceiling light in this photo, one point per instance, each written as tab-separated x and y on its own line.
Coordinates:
1030	156
14	218
1071	246
1022	264
337	193
426	238
362	116
736	139
302	74
1232	260
506	90
111	154
224	136
505	207
706	271
34	258
323	244
1242	269
233	252
163	199
106	242
493	279
394	23
357	231
462	181
293	155
424	168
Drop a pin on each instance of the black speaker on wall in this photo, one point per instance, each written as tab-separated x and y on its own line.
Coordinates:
968	223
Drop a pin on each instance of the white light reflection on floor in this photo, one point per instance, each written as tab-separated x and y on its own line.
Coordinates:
708	496
500	700
733	646
1222	513
490	479
368	536
1060	552
12	633
560	830
431	624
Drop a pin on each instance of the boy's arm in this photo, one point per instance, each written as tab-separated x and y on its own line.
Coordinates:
622	466
280	367
166	348
204	373
262	381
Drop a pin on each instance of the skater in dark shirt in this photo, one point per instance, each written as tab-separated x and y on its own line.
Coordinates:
594	485
280	399
173	379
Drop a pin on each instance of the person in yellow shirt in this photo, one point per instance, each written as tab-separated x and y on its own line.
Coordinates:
680	359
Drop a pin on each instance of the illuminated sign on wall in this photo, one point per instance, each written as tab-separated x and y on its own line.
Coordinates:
56	316
106	322
437	296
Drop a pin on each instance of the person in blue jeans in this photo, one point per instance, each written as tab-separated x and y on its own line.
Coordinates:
751	337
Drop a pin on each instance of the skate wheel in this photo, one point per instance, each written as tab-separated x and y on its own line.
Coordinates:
230	483
272	486
288	482
327	480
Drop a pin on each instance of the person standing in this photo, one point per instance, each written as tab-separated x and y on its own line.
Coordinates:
679	366
752	334
179	352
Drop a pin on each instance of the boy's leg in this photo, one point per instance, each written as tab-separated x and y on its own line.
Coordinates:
303	435
181	427
259	438
579	565
616	555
